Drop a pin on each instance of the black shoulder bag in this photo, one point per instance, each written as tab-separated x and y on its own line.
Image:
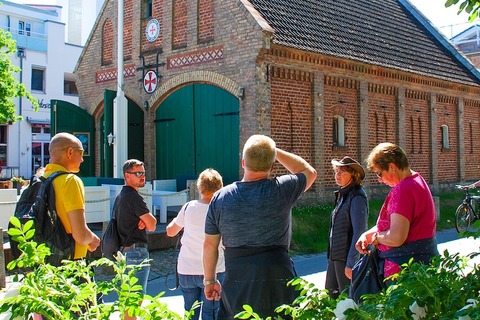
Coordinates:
367	275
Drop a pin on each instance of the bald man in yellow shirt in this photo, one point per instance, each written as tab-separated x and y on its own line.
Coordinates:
66	154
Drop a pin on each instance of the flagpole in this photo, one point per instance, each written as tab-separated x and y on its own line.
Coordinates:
120	110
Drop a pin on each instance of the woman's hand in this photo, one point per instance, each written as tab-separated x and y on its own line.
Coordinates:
348	272
364	240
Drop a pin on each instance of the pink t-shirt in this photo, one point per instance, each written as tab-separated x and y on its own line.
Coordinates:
412	199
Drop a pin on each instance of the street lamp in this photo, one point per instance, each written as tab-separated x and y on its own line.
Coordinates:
110	139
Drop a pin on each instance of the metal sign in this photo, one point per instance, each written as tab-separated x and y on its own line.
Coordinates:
150	81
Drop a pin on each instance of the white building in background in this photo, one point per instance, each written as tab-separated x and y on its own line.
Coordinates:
49	36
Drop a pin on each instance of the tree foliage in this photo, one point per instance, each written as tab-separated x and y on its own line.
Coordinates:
10	87
472	7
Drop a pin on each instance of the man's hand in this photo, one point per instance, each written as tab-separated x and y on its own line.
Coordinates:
141	225
213	291
92	246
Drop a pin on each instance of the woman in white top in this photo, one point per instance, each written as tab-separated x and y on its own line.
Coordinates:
191	219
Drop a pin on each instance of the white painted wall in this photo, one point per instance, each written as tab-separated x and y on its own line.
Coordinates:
56	56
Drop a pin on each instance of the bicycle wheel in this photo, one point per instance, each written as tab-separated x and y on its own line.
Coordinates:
463	217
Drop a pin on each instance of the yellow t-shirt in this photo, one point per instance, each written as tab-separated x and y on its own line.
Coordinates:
69	195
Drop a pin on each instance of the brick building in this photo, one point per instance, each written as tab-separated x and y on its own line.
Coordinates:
325	79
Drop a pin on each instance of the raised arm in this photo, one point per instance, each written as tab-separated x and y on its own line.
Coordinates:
296	164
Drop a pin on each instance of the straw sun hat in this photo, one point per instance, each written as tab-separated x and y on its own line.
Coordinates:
347	161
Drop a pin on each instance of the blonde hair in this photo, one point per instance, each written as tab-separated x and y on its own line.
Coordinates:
259	153
209	181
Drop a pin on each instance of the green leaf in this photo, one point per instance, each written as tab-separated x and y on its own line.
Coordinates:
28	225
15	222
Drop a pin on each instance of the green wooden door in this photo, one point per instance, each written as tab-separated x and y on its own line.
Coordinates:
67	117
197	127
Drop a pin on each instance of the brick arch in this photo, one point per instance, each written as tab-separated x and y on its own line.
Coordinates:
339	110
197	76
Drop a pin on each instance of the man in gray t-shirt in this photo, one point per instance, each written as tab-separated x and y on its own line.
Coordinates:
252	217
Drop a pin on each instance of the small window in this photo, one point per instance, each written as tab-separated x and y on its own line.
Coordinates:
38	79
21	27
28	29
69	87
148	9
445	143
339	131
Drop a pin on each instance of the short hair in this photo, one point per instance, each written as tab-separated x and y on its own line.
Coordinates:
384	154
259	153
129	164
209	181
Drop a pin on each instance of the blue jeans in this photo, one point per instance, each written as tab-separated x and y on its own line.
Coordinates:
192	290
135	256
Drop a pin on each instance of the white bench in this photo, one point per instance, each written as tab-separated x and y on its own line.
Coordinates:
97	204
8	201
165	194
165	185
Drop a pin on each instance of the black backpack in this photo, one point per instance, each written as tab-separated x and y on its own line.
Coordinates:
37	203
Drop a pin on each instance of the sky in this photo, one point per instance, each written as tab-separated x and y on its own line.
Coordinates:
444	19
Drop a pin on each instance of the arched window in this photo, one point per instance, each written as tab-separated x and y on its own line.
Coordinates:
338	131
107	43
445	143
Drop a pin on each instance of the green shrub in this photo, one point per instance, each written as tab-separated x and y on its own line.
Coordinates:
68	291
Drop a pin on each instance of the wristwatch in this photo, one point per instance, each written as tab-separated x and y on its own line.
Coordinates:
207	282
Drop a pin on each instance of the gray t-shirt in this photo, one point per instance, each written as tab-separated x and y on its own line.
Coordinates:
256	213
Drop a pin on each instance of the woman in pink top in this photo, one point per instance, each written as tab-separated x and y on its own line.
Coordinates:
407	221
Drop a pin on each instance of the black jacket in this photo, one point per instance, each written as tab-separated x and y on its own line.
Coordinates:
347	226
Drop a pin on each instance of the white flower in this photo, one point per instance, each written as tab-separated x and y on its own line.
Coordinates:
11	291
343	306
417	311
470	303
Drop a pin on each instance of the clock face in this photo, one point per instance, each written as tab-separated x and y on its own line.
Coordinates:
152	30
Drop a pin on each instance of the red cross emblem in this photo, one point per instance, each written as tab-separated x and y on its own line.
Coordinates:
150	81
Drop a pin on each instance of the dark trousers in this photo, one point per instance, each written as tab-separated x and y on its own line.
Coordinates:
257	277
336	280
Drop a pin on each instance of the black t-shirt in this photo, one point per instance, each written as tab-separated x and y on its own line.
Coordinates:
129	206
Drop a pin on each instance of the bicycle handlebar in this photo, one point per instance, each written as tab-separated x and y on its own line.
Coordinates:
466	188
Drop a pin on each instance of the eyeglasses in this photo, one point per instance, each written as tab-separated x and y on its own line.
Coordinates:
379	173
82	152
77	149
138	174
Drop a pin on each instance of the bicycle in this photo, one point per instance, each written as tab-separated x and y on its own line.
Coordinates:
468	211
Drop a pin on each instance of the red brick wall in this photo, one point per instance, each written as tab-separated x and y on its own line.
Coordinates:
341	99
472	139
127	30
417	132
291	112
157	13
206	20
382	122
447	158
179	28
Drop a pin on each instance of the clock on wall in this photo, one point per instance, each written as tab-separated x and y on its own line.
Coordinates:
152	30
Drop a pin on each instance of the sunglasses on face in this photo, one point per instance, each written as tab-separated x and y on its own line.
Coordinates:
138	174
